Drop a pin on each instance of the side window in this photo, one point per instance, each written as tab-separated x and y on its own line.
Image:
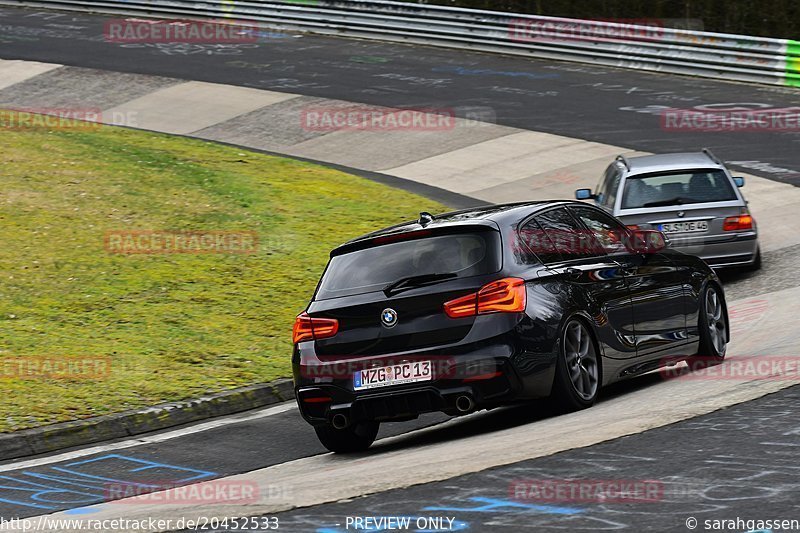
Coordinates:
566	234
608	234
537	244
609	185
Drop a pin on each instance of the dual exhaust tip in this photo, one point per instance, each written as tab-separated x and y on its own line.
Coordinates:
340	421
464	404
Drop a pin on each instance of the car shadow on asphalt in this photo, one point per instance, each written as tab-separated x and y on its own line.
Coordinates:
733	277
502	418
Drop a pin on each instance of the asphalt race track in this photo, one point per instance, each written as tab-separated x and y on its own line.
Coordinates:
231	449
756	469
735	462
575	100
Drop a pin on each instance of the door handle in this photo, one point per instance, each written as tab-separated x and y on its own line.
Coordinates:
627	270
572	272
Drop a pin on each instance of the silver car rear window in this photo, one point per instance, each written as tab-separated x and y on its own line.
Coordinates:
663	189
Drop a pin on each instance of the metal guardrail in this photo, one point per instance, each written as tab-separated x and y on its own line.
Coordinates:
644	47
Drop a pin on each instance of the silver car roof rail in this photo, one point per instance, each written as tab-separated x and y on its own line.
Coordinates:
621	158
712	157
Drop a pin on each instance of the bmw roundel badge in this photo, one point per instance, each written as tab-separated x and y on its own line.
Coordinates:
389	317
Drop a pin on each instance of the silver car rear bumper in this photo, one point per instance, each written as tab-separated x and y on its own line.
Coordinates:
735	250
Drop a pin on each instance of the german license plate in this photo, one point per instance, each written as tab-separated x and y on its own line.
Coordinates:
398	374
683	227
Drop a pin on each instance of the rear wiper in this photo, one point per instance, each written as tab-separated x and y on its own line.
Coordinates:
412	282
673	201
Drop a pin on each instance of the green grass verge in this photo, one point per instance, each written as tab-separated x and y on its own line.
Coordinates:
174	326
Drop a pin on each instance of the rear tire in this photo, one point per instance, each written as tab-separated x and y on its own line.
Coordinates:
713	326
577	380
354	438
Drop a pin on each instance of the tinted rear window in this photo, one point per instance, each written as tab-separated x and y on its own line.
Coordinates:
677	189
372	269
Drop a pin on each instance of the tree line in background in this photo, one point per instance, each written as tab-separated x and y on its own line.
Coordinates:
766	18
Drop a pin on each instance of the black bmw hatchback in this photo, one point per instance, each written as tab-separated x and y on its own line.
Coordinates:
483	307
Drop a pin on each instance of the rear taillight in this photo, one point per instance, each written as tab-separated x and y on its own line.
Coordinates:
505	295
308	328
740	222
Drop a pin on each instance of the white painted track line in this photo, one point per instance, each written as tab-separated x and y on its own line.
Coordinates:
158	437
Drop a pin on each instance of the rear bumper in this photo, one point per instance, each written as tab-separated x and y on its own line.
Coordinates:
737	250
488	375
405	404
732	261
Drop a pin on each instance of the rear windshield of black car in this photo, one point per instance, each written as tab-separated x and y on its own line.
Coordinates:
692	187
372	269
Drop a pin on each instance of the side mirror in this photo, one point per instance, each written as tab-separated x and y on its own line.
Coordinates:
646	241
739	181
584	194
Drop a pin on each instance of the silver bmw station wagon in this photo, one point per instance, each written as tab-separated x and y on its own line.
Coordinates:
690	197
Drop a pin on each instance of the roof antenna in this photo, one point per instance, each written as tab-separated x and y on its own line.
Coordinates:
425	218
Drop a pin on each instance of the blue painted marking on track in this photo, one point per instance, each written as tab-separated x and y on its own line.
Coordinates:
488	505
146	465
33	494
69	485
493	505
85	510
